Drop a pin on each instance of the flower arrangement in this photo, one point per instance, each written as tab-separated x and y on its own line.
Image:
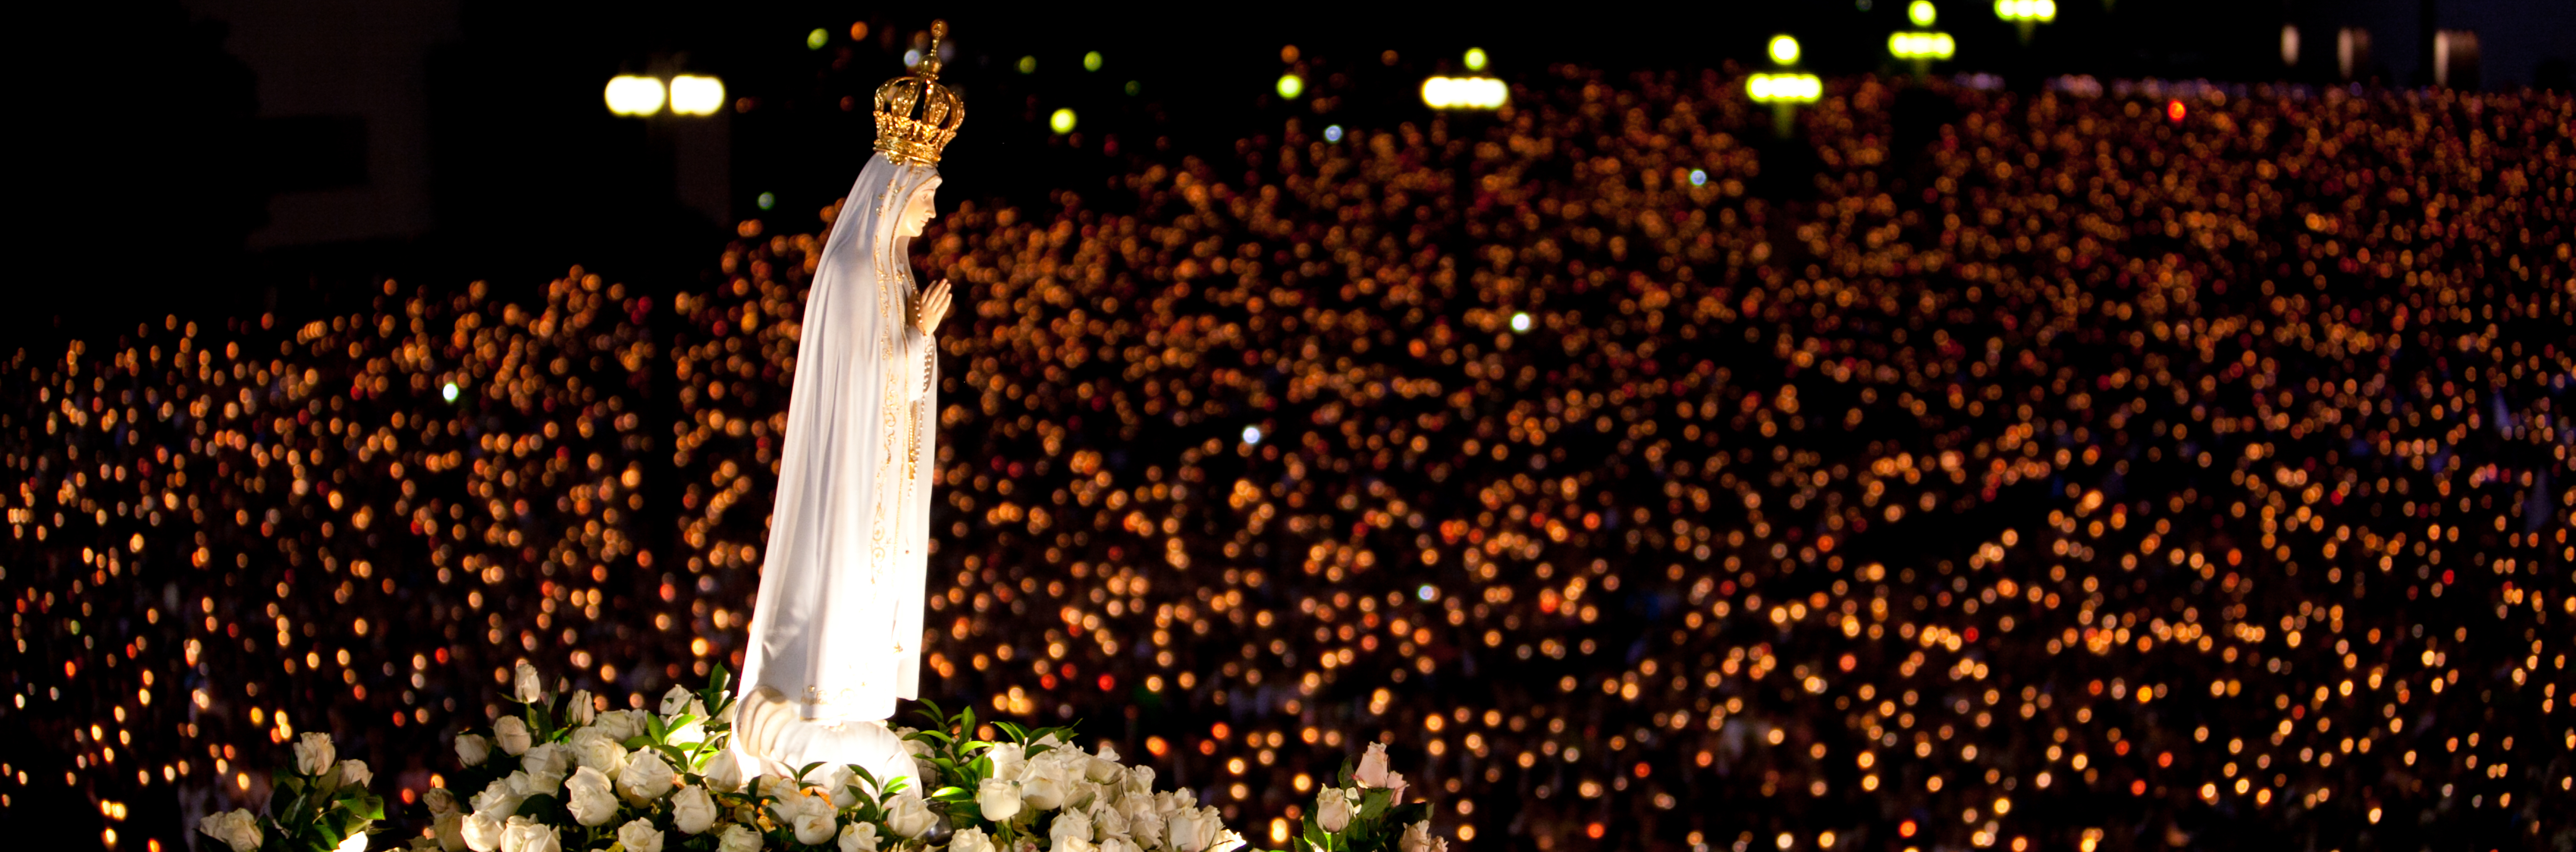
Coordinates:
1365	811
559	775
321	804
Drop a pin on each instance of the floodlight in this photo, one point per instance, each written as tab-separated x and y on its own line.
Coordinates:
634	96
1465	93
695	95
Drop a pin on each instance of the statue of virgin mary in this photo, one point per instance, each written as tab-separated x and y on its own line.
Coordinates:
837	628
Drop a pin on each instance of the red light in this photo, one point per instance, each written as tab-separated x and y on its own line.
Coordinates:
2174	110
1905	829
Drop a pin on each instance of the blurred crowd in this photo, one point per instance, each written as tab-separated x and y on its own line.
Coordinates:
2077	472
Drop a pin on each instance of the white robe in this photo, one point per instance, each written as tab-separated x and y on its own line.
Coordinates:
837	628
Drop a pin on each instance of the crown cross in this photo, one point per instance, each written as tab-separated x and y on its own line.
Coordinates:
916	116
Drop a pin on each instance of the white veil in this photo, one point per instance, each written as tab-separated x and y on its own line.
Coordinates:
837	627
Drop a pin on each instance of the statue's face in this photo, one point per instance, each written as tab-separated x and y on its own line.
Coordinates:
918	211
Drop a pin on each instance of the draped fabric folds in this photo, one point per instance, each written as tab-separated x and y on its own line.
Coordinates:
837	627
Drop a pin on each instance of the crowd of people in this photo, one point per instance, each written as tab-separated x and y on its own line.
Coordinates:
2092	472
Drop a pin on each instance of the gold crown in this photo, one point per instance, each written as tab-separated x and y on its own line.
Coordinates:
916	116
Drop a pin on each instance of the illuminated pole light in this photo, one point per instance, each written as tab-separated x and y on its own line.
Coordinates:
1465	93
2026	15
630	95
1784	92
1061	121
1291	85
1476	59
1922	13
1784	50
1921	49
695	95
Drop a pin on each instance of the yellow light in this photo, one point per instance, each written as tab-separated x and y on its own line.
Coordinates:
1791	88
816	39
1291	85
1465	93
1061	121
2026	10
1932	45
1784	50
1921	13
635	96
1475	59
695	95
1091	61
1028	65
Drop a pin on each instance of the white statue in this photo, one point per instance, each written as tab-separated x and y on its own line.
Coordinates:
836	631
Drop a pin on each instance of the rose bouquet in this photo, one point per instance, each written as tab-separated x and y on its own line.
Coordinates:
320	804
1366	812
559	775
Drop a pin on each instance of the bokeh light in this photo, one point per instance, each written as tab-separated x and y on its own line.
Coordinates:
634	96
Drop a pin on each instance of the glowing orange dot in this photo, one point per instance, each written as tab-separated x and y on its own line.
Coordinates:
1594	830
1905	829
2174	110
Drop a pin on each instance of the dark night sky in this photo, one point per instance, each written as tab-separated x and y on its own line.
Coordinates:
234	156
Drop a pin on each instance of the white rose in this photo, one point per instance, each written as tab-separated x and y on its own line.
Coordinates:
547	764
1144	822
313	753
968	839
482	831
999	798
354	773
1119	843
1417	838
908	815
522	784
237	829
639	836
724	772
692	810
1189	833
512	733
1140	780
1042	785
646	778
1008	759
450	828
473	749
525	685
498	800
814	821
737	839
861	838
526	835
440	801
675	700
1372	771
620	725
1070	825
579	710
589	798
1226	841
1103	768
836	781
595	749
1395	788
1106	820
1333	809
